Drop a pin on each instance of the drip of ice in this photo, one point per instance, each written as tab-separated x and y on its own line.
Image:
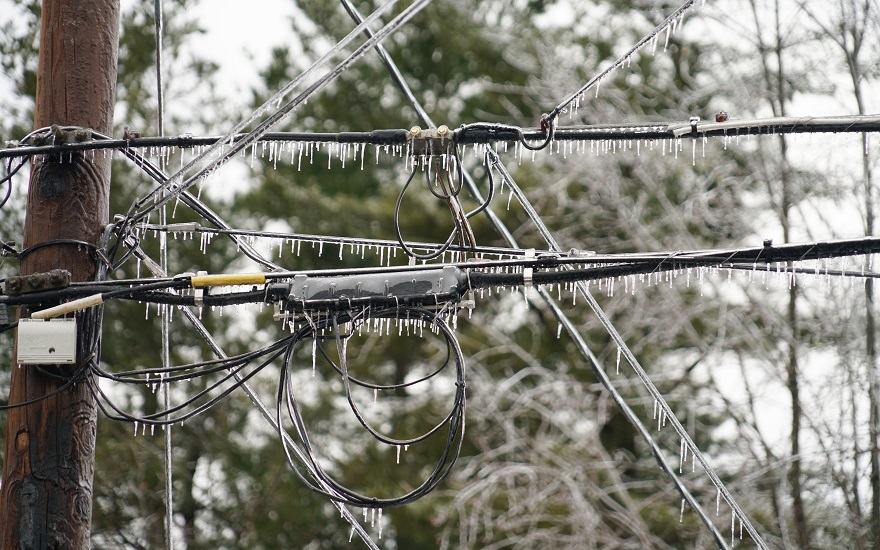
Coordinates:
314	355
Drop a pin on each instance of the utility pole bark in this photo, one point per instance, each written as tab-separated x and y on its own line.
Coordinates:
46	497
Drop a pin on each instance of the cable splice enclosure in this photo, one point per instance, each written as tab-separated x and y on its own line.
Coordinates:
425	288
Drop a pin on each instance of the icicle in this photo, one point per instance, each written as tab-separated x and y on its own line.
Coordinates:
681	515
681	453
618	359
314	354
398	454
732	524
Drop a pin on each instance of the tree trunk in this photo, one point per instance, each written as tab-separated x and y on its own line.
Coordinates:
46	496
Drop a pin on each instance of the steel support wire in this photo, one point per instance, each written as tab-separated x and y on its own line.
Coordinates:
625	58
163	260
508	237
226	150
200	208
666	410
257	401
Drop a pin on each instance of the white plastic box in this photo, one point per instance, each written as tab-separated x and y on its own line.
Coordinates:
51	342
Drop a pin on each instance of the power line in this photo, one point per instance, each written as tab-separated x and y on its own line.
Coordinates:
479	133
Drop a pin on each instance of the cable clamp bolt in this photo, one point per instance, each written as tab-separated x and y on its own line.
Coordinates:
431	142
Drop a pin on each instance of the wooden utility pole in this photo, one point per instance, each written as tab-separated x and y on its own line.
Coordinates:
46	497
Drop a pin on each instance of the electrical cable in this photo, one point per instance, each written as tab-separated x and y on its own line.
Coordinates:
449	193
667	23
70	382
341	342
286	400
485	133
358	243
505	233
7	179
257	402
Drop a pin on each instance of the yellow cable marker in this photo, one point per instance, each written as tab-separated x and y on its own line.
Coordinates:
200	281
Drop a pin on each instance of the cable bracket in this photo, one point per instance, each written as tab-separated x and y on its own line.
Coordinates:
432	142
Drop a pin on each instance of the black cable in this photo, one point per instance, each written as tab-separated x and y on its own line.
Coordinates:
286	400
488	133
7	179
343	362
406	249
386	387
162	417
70	382
462	228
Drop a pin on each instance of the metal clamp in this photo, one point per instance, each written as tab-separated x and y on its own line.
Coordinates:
528	272
433	142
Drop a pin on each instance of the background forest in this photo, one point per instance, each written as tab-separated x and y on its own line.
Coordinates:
776	383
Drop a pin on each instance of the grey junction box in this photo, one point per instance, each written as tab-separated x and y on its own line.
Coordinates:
51	342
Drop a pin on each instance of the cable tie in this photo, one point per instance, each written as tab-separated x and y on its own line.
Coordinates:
198	292
528	272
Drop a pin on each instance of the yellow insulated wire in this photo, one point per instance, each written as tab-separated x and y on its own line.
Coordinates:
220	279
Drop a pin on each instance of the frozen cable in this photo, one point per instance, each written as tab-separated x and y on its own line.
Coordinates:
619	62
